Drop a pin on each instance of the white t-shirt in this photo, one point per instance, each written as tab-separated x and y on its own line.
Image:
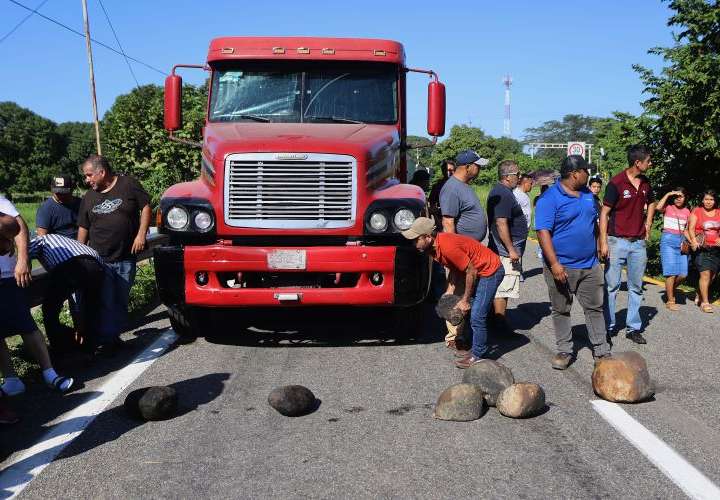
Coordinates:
7	264
524	201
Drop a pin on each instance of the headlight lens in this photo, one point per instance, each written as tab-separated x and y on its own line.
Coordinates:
177	218
403	219
203	220
378	222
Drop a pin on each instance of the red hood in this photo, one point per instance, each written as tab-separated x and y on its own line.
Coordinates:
363	141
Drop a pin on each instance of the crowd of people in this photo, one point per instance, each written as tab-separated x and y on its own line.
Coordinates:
88	247
585	242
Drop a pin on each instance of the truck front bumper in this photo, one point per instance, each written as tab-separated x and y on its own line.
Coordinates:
198	276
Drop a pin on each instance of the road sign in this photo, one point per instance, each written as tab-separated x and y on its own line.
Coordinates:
576	148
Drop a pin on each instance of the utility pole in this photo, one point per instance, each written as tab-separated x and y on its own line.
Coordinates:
507	81
92	76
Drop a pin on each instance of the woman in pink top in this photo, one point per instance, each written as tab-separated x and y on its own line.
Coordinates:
705	221
674	263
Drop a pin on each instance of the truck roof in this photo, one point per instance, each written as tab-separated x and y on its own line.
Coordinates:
311	48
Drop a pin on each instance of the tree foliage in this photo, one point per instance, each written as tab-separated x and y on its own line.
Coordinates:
683	110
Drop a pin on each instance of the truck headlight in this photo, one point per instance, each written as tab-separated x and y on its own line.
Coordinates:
403	219
177	218
203	220
378	222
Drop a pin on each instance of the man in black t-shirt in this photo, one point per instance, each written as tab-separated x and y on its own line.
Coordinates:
114	218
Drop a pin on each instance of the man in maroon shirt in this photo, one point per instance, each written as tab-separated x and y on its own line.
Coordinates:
624	230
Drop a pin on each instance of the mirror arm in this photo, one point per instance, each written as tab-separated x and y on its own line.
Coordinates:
196	66
429	72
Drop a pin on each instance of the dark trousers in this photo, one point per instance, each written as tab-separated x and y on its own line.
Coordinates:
82	275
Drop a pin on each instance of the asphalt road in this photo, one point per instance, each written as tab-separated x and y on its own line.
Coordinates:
373	434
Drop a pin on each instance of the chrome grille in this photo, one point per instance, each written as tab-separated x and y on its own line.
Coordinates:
263	191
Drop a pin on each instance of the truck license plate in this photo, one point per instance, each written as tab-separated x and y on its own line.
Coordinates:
286	259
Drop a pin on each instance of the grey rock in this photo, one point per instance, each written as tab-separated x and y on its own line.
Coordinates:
491	376
460	403
521	400
152	403
293	400
445	308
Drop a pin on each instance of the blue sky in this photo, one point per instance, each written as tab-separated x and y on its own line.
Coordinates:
564	56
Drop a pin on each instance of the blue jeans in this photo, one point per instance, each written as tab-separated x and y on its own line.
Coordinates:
484	295
632	254
119	279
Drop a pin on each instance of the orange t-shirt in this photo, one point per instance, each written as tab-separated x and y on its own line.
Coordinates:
457	251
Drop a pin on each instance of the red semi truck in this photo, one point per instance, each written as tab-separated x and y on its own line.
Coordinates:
300	198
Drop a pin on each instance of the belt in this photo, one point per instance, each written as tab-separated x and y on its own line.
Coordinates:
631	240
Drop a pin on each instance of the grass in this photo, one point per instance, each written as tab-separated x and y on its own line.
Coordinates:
28	210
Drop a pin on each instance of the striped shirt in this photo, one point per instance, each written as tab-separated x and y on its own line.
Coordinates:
54	249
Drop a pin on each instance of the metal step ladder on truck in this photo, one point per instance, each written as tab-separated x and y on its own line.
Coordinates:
302	194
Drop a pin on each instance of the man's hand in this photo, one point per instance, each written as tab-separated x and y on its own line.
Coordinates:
514	255
559	272
139	244
648	228
604	250
22	273
463	306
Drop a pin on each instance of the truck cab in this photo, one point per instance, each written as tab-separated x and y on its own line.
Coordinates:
301	195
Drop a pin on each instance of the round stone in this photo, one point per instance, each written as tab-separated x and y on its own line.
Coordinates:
521	400
460	403
491	376
622	378
293	400
152	403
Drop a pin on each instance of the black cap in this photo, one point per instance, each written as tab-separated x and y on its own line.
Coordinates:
62	184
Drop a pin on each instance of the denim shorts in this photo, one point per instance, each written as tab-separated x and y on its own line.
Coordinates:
15	317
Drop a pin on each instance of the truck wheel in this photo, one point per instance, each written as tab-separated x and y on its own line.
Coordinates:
408	323
184	322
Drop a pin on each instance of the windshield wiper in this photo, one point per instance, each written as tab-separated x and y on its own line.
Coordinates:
256	118
336	119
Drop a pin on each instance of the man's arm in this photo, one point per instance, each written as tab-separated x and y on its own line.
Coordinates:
603	243
82	236
649	219
9	227
22	242
470	277
548	250
503	230
448	224
139	243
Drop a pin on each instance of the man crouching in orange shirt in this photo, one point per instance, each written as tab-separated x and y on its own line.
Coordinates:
474	262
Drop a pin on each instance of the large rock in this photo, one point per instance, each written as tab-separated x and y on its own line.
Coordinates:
152	403
446	309
491	376
622	378
460	403
521	400
293	400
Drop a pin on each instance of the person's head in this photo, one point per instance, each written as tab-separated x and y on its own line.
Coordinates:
97	172
447	168
422	232
509	173
62	186
638	156
468	164
595	185
679	200
421	178
709	199
574	171
525	183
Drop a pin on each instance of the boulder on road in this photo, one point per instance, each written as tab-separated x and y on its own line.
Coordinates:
622	378
491	376
293	400
446	309
460	403
521	400
152	403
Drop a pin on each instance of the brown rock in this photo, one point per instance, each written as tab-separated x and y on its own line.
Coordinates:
491	376
521	400
622	378
460	403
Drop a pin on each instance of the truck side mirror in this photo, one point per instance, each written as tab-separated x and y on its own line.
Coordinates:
436	109
173	103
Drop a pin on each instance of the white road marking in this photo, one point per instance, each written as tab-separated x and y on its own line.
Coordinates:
24	466
693	482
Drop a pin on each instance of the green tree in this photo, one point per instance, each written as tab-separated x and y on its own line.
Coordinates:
683	110
570	128
78	142
420	152
137	144
29	149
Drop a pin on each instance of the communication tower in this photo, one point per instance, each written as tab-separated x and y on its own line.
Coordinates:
507	81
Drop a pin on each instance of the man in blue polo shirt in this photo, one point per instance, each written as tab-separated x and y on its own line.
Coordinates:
566	225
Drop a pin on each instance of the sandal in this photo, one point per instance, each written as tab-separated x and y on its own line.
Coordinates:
706	308
671	305
61	384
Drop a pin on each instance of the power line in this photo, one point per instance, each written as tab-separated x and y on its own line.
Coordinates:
82	35
112	28
22	21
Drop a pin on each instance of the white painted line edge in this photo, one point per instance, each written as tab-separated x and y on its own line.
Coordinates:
693	482
26	465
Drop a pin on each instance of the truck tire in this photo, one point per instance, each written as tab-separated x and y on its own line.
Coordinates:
408	323
184	322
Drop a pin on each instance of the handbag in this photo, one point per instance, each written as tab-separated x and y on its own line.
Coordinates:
685	247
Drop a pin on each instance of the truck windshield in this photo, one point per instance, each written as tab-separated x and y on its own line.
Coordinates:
311	93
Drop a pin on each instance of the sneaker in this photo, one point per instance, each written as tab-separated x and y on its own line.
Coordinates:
562	360
635	337
467	361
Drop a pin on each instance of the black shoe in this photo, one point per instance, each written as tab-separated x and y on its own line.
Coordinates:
636	337
562	360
